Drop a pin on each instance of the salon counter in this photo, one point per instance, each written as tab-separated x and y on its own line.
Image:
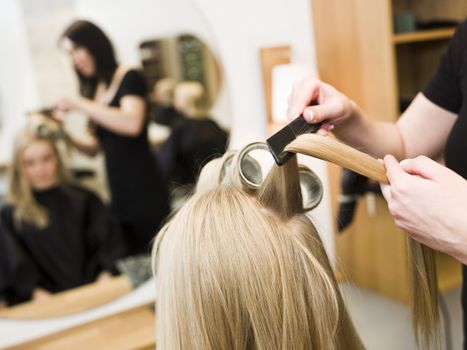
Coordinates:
130	330
79	299
127	319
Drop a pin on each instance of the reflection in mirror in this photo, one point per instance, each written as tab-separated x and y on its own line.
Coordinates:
177	59
185	78
182	57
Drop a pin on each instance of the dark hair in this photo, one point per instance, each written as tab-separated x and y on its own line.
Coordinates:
86	34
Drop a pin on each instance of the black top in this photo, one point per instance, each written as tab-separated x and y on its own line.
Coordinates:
138	189
80	241
448	89
191	145
167	115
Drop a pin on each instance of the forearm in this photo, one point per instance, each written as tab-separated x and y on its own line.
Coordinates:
111	118
369	135
88	146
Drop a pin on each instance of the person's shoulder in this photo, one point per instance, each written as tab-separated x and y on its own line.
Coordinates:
133	83
133	72
461	32
462	26
133	75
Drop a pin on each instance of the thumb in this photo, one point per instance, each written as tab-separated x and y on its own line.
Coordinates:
423	166
394	171
303	93
318	113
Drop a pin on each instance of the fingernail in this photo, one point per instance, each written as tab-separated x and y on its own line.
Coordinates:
403	162
322	132
309	115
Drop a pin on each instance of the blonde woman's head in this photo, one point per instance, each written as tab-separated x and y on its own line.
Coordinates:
189	99
164	91
238	270
36	165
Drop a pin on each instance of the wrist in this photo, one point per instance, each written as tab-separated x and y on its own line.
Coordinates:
351	109
351	116
78	103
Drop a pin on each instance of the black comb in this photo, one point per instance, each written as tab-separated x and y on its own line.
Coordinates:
286	135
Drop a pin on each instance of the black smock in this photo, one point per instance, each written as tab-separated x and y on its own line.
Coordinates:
448	89
140	199
167	115
80	241
191	145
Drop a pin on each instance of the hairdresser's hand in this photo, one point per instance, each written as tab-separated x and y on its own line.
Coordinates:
332	105
66	104
59	116
428	201
41	295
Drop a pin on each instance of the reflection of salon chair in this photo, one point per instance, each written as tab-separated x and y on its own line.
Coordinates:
353	187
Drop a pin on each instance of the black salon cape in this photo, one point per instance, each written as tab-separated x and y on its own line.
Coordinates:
448	89
80	241
189	147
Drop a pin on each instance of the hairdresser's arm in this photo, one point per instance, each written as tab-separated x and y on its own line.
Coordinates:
428	201
128	119
87	145
422	129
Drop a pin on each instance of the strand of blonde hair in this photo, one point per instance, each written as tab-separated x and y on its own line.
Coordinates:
422	259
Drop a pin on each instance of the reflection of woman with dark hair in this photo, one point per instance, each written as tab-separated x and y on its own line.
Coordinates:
60	235
113	97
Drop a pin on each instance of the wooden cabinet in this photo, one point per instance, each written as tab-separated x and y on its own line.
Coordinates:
359	54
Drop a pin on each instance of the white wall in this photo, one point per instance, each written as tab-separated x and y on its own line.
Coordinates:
18	92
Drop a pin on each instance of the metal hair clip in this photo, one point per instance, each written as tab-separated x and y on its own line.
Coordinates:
46	112
311	187
252	168
44	131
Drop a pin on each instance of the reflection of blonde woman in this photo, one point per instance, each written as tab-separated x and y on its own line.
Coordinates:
163	97
241	271
64	232
195	140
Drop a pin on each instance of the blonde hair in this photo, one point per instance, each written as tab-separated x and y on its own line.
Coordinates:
20	196
189	99
422	259
164	91
246	270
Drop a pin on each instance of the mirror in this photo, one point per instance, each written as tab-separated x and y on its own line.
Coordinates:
35	72
182	57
